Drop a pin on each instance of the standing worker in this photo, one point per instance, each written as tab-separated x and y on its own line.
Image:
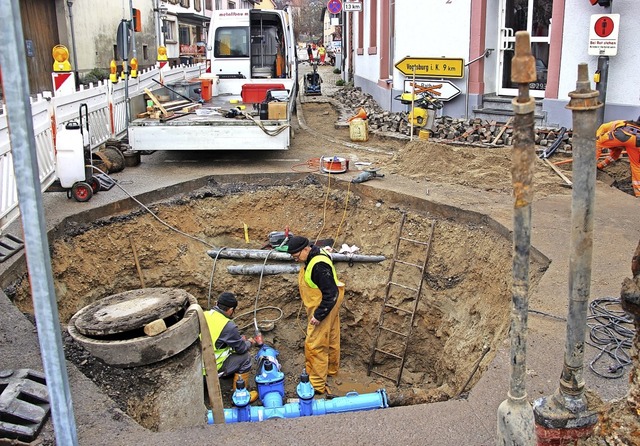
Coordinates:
231	349
310	52
322	294
618	136
322	53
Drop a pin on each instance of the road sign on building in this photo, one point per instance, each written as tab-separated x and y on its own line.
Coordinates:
603	34
351	5
432	67
334	6
447	89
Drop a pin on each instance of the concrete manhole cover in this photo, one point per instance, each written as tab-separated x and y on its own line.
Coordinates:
112	328
130	310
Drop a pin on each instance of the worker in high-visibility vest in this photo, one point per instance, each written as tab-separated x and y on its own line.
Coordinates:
230	348
322	294
618	136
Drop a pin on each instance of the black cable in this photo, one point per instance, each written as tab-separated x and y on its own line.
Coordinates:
611	332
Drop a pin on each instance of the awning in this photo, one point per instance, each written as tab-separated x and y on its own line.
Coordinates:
193	18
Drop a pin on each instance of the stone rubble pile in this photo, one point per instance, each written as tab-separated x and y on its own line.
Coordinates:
474	131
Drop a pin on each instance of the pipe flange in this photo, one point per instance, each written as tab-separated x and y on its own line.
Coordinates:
522	108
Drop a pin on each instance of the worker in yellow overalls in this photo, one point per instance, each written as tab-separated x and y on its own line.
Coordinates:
322	294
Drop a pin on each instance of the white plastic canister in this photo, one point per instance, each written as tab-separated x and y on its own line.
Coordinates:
70	155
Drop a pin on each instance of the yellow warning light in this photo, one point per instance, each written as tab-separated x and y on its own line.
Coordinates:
596	77
134	67
123	73
113	76
60	54
162	53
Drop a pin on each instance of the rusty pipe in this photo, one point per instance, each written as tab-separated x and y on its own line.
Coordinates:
523	157
515	415
584	105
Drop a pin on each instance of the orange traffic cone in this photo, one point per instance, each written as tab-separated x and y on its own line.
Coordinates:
362	114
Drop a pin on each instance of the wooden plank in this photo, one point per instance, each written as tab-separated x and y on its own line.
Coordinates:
190	108
209	360
558	171
502	130
155	100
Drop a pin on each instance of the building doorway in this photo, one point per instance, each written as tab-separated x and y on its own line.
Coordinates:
533	16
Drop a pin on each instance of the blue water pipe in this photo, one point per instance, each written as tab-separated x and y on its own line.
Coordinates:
270	383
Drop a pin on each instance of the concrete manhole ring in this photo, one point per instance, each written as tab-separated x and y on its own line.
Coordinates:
128	311
141	349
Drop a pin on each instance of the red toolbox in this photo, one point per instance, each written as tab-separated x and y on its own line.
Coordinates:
257	93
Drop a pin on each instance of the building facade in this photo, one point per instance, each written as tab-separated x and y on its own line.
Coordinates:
482	34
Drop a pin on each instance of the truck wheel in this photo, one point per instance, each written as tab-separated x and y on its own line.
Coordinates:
82	191
95	185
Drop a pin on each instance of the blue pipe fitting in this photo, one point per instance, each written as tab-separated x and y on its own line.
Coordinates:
305	392
352	402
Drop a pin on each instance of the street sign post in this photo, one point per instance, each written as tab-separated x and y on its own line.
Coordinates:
334	6
447	90
432	67
603	34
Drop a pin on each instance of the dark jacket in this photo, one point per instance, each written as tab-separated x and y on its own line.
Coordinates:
322	276
230	336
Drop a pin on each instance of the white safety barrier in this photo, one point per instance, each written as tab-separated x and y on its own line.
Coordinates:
107	119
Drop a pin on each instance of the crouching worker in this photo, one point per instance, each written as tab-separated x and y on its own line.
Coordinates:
618	136
231	348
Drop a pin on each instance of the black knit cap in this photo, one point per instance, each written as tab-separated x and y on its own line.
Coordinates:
297	244
227	300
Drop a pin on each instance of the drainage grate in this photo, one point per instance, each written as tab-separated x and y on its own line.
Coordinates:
9	245
24	404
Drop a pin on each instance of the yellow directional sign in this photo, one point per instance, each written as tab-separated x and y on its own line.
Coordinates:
432	67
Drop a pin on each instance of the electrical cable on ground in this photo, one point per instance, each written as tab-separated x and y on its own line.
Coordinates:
152	213
553	316
324	207
344	214
213	270
263	322
611	333
255	305
313	165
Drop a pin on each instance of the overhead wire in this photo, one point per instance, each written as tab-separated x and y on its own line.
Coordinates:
611	333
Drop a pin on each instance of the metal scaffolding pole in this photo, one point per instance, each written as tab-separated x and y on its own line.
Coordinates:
25	166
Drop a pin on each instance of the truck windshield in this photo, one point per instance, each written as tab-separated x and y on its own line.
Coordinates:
231	42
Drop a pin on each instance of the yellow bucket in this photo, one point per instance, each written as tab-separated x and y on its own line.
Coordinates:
424	134
359	130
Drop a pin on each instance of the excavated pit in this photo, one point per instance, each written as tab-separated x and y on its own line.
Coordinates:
462	317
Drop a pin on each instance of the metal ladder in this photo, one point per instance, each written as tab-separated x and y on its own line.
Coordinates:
394	332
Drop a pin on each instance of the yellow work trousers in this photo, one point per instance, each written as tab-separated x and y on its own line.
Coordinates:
322	344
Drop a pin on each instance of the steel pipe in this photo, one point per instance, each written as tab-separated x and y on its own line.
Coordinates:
25	166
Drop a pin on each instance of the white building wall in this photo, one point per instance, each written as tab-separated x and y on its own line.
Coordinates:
95	27
623	84
423	29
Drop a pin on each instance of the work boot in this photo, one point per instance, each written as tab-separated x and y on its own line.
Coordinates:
245	378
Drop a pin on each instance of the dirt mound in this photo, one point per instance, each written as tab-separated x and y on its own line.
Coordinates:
481	168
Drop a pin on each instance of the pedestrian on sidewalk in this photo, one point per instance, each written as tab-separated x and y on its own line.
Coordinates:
618	136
